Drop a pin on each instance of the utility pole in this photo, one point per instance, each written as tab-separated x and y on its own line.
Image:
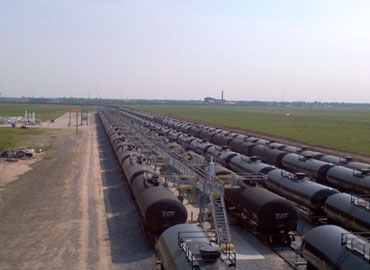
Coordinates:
70	117
77	111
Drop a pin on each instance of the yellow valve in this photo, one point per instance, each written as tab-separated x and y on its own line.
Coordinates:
216	196
228	247
185	187
221	177
193	200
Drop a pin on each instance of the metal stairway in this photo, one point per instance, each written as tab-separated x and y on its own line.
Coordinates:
219	217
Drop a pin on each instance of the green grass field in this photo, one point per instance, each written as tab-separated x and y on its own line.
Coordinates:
13	138
44	112
344	129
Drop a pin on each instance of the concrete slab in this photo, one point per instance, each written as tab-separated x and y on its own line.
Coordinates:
244	250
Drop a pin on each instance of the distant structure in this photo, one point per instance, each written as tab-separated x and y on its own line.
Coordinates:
211	100
215	101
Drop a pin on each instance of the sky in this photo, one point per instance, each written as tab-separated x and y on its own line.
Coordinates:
270	50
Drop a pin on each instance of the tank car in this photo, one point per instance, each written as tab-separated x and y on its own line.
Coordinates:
308	165
243	164
185	128
177	124
291	149
241	146
185	139
262	142
297	188
275	145
268	155
332	247
273	215
205	133
221	139
194	130
349	180
252	139
345	162
313	154
274	157
201	146
348	210
259	151
187	246
214	150
173	135
225	156
158	206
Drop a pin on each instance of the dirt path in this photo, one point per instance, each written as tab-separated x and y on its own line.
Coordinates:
59	215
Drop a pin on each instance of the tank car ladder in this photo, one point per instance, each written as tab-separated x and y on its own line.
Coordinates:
220	220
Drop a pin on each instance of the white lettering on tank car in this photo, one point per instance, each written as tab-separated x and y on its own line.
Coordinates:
281	215
168	213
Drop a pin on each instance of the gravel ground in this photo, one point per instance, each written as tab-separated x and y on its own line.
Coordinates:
71	211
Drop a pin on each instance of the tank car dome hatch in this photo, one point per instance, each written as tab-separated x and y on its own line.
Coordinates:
299	175
210	253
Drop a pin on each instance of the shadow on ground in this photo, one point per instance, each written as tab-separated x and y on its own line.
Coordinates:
128	242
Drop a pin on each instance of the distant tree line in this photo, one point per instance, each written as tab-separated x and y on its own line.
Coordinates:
122	102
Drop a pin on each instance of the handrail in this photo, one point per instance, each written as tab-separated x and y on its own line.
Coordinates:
357	243
361	201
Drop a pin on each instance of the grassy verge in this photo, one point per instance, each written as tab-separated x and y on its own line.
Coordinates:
13	138
344	129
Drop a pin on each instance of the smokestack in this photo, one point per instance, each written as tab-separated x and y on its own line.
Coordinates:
222	97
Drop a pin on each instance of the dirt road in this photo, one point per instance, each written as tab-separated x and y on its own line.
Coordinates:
72	210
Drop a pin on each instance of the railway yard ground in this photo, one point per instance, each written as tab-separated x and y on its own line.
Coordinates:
70	209
339	131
